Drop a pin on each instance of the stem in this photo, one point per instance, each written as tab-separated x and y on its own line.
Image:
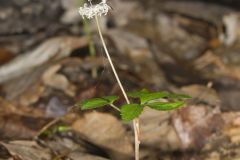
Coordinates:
111	63
91	47
115	107
136	137
135	121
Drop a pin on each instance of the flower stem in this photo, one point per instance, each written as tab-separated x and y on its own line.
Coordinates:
135	121
110	61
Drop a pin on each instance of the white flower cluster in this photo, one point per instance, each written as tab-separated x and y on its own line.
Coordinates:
91	11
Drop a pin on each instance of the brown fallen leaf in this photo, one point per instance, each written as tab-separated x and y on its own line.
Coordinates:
213	66
84	156
105	131
31	95
137	49
232	128
54	48
202	93
5	56
56	148
7	107
157	131
58	81
26	150
197	124
16	126
19	123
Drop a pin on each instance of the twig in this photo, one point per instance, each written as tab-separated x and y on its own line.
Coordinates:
47	126
51	123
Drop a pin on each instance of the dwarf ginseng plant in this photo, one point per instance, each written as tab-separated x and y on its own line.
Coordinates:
129	111
161	101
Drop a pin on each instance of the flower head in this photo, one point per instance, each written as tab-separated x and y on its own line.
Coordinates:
89	11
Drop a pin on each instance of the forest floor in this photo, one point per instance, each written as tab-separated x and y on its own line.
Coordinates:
46	67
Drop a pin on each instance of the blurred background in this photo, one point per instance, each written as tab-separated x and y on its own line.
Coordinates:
50	59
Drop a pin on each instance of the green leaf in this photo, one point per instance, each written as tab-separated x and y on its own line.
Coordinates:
165	106
97	102
145	96
130	111
152	96
111	99
178	96
93	103
137	94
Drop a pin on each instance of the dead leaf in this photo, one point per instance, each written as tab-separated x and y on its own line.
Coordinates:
107	132
27	150
213	66
232	127
7	107
32	94
84	156
15	126
58	81
197	124
5	56
202	94
157	131
55	48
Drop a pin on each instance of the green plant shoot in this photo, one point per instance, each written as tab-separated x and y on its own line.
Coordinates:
161	101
